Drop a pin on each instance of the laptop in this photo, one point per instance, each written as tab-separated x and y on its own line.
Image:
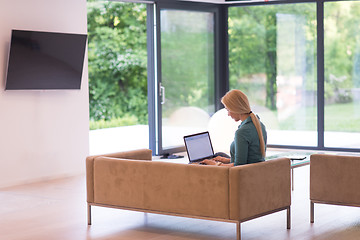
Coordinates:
198	147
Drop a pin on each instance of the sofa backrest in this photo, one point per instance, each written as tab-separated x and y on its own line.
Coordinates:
335	178
187	189
236	193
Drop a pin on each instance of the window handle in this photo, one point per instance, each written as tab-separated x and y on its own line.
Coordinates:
162	93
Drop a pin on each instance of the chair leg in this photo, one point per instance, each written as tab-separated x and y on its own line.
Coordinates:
238	231
145	219
311	211
292	179
89	214
288	221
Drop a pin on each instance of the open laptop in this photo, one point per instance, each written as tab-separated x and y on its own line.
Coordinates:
198	147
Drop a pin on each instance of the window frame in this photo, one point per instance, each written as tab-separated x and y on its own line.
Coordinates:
222	62
154	70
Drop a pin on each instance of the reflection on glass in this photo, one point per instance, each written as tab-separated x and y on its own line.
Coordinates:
342	74
187	73
272	58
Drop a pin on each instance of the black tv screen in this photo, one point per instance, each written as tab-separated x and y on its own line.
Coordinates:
45	60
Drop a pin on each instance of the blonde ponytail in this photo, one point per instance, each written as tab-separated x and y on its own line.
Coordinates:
257	125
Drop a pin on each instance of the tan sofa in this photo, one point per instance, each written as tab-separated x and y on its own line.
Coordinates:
234	194
334	179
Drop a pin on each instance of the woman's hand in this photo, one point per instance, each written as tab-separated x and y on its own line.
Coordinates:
208	162
221	159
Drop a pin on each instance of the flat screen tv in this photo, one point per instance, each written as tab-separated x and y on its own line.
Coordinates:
45	60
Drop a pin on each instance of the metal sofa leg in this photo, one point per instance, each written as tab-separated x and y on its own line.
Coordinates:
238	231
89	214
288	220
311	211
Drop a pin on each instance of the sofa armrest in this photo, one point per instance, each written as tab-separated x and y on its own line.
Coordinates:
335	179
259	188
140	154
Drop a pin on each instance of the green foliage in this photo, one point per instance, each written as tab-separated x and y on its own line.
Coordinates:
342	50
271	61
117	61
334	118
187	61
253	48
117	58
114	122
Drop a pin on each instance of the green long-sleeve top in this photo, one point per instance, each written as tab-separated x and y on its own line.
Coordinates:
246	145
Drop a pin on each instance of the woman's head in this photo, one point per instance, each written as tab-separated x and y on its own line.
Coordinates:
237	104
236	101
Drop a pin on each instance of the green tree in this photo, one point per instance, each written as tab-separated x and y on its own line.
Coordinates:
342	44
117	60
253	47
187	58
270	61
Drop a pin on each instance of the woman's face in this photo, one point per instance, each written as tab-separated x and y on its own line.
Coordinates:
235	116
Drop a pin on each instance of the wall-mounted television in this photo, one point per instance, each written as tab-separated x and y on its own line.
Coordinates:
45	60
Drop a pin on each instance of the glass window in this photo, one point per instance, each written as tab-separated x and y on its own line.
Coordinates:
117	60
187	73
272	59
342	74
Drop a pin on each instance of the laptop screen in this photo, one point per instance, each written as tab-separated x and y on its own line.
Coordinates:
198	146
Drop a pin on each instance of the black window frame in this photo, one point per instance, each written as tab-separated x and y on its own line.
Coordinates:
154	67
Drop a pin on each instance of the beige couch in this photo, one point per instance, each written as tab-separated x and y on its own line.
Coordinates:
334	179
234	194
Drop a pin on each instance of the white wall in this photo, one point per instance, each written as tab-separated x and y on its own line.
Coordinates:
43	134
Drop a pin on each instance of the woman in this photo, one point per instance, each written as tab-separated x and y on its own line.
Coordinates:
249	145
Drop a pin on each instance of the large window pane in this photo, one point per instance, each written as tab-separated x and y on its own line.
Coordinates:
272	58
342	74
187	73
117	76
